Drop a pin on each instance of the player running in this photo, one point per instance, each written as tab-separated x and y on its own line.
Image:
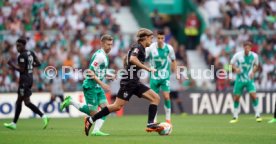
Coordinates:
26	61
130	84
93	88
162	56
245	64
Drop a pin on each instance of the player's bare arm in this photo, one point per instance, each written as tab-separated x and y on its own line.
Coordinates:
255	69
134	60
15	66
98	81
36	61
235	69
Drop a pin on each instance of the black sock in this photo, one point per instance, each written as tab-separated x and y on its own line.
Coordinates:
100	114
180	107
17	111
34	109
275	110
151	113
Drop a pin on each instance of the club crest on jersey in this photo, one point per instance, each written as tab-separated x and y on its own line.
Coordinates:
125	94
136	50
95	64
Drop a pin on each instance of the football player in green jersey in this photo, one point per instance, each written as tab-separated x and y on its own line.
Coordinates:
161	56
245	64
93	88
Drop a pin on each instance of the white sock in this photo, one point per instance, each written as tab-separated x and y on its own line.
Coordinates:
256	109
155	118
76	104
236	112
98	125
168	113
44	116
91	120
13	123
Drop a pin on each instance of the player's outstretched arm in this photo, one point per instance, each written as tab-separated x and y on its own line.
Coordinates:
134	60
93	76
235	69
15	67
174	66
36	61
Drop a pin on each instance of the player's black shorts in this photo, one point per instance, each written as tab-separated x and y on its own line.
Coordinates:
24	89
174	94
131	88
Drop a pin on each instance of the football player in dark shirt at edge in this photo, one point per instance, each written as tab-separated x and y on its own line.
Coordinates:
26	61
130	84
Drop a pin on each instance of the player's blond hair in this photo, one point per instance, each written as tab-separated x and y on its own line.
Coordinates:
143	33
106	37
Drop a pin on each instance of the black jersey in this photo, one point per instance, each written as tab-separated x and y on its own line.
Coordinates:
139	51
27	60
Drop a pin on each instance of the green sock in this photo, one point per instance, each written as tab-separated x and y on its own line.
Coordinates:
168	104
236	104
255	102
85	109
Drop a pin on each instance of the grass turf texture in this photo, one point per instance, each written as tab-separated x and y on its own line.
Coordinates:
195	129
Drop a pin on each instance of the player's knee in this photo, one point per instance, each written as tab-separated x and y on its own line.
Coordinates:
236	98
167	97
27	102
18	102
253	96
156	98
117	107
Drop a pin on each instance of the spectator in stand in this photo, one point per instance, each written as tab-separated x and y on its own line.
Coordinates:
157	20
191	30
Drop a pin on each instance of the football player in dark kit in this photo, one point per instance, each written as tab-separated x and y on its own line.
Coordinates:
130	84
26	61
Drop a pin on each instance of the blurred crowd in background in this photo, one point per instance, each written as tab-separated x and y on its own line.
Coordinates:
62	33
256	22
67	32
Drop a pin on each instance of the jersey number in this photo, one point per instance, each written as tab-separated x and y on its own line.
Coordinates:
30	62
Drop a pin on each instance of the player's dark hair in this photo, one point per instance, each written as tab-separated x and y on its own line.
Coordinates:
247	43
160	32
22	40
143	33
106	37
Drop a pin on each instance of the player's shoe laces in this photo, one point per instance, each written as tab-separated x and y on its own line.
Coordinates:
234	120
99	133
11	125
272	121
65	103
87	126
45	121
259	119
154	127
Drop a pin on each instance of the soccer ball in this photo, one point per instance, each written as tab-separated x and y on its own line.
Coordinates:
167	129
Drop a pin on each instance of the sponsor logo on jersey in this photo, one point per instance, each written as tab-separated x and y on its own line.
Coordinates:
136	50
125	94
95	64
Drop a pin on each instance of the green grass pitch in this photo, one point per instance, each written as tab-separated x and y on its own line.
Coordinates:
192	129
